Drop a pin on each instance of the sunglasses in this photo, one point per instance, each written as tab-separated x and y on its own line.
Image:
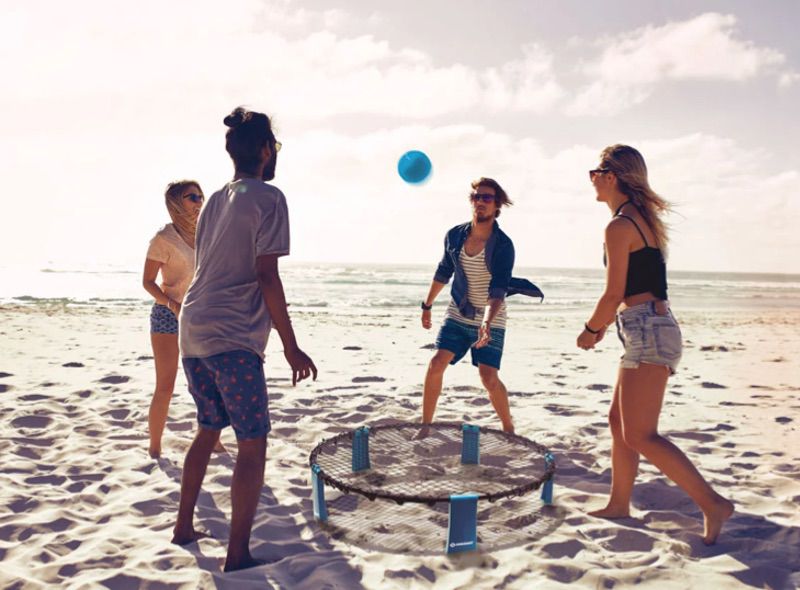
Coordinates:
482	197
194	197
596	171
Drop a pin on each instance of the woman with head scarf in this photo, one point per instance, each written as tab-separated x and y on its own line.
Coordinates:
171	253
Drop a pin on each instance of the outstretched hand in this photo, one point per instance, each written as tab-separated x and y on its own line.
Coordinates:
301	364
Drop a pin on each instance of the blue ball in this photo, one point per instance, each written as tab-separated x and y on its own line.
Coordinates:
414	167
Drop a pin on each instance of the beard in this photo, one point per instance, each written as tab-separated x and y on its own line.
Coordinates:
483	218
269	168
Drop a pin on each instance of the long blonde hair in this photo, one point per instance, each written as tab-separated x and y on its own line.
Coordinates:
185	223
628	166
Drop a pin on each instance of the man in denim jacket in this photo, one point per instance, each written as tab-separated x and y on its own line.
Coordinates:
482	257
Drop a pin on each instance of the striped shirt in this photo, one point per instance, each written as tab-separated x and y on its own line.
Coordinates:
478	278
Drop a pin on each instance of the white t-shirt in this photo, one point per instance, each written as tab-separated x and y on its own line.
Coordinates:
223	309
177	261
478	279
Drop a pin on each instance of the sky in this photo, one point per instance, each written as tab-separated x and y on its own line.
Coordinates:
104	103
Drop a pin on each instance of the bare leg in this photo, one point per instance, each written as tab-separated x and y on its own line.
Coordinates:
248	479
641	397
624	464
433	383
498	395
194	470
165	353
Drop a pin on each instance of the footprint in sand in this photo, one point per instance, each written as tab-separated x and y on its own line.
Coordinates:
73	364
31	422
479	401
598	387
369	379
3	375
4	387
114	379
627	540
120	414
566	549
783	419
712	385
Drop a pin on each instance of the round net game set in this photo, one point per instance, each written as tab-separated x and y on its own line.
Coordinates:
460	464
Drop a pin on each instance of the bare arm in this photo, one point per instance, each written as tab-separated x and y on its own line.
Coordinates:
269	281
149	276
618	242
433	293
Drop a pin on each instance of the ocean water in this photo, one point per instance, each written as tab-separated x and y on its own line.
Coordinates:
370	288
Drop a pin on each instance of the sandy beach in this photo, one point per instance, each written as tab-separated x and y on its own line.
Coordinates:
84	506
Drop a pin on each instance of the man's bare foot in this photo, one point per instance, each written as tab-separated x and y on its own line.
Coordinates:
424	432
218	448
611	512
247	562
714	520
188	538
154	453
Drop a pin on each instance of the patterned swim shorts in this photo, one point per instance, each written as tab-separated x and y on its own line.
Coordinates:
229	389
162	320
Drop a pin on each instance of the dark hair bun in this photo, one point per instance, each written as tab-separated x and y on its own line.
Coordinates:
236	118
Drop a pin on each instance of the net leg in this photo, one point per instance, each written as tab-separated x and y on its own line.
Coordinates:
547	488
361	449
470	448
547	492
318	494
462	530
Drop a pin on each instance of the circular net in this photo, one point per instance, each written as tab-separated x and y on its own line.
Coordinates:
412	462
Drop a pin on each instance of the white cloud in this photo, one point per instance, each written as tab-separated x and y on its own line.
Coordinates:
291	58
703	48
788	79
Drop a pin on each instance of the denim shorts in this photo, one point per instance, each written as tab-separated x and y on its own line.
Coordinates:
458	338
162	320
229	389
649	337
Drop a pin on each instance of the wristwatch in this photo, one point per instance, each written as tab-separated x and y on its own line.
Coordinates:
425	307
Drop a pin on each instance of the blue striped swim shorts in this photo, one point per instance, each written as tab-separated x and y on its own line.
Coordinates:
458	338
162	320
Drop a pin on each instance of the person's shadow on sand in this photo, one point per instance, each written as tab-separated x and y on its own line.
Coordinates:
769	552
291	561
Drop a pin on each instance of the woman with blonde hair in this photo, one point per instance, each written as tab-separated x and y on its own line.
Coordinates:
636	296
171	253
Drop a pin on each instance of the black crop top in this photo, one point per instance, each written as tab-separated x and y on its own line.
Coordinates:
647	271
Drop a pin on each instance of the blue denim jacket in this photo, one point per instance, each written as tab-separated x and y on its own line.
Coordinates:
499	262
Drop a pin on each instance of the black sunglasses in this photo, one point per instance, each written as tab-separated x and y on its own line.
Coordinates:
194	197
482	197
596	171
